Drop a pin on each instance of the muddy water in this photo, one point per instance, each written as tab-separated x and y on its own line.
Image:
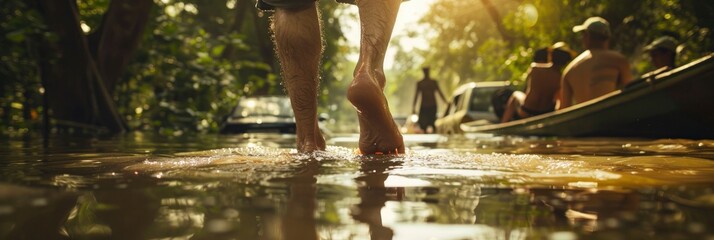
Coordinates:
256	187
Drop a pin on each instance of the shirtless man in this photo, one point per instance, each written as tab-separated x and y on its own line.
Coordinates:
598	70
543	84
427	87
298	42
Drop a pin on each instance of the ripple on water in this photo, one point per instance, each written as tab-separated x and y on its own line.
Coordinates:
425	165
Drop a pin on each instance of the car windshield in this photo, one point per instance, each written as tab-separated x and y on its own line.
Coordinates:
263	106
481	99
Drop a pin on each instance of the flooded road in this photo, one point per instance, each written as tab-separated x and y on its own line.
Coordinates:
255	186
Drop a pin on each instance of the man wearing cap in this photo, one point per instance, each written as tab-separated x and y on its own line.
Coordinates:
663	52
598	70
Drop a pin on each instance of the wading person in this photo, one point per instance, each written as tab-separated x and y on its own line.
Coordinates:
427	89
598	70
542	86
297	34
663	52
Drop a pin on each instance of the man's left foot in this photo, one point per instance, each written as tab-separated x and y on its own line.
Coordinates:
379	133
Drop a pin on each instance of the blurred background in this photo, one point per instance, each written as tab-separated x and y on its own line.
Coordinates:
177	67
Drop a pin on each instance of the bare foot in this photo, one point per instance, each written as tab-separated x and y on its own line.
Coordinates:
378	132
305	144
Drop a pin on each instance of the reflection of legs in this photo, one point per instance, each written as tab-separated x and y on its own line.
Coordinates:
299	220
514	102
299	47
378	132
373	196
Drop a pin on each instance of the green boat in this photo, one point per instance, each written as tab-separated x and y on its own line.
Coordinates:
667	104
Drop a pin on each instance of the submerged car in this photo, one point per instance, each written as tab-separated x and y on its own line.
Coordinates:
470	102
265	114
261	114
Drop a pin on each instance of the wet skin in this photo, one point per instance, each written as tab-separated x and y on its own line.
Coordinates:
595	72
298	44
378	132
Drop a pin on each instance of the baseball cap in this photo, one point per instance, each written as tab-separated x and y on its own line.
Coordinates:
595	25
665	42
565	48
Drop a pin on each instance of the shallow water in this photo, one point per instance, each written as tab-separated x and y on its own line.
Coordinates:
255	186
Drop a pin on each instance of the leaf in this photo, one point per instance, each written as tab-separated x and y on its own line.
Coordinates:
16	36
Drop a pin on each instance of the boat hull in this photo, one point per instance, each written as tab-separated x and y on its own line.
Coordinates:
674	104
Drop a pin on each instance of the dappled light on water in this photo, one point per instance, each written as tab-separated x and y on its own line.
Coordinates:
461	187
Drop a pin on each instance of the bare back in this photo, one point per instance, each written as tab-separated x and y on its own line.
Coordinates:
592	74
543	86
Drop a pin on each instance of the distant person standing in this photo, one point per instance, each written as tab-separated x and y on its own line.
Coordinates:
427	88
598	70
663	52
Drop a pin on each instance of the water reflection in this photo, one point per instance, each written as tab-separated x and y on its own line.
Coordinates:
374	194
257	187
299	221
27	213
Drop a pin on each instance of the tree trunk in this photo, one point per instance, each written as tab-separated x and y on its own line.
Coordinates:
121	31
80	83
66	78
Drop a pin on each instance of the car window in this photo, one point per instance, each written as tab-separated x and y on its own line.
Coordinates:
263	106
481	99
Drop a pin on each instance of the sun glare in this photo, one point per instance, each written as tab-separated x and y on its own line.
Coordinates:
409	14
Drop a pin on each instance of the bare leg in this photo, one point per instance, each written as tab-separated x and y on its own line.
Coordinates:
378	132
514	102
299	48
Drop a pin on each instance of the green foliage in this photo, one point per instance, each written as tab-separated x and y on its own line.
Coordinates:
20	87
195	61
182	81
91	11
335	71
179	81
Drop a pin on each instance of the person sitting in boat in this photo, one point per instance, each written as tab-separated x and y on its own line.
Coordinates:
663	52
598	70
542	84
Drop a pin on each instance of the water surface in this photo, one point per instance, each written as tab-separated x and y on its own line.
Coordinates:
255	186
